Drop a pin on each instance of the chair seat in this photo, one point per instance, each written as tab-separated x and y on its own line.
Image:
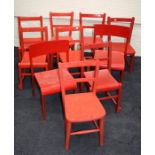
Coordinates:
30	41
39	61
83	107
105	80
71	41
89	41
117	46
73	56
63	38
117	63
49	83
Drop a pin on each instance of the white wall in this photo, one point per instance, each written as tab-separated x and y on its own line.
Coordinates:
118	8
113	8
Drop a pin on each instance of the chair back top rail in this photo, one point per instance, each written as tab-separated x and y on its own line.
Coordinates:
91	16
21	19
60	14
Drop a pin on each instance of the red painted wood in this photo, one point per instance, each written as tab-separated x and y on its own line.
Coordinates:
88	40
48	81
25	60
81	107
119	45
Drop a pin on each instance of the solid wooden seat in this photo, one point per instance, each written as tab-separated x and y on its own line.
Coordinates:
105	80
117	62
117	46
30	41
83	107
69	38
73	56
89	41
49	82
39	61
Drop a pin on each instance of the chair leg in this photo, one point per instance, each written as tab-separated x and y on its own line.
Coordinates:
46	68
50	61
20	86
72	47
101	124
57	58
33	86
118	106
74	91
131	63
68	130
19	54
121	76
43	107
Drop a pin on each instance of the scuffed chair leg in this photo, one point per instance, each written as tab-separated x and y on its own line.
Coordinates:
43	107
33	86
131	63
20	86
68	130
121	76
118	106
101	127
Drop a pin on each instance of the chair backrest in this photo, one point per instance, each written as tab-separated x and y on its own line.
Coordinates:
37	22
129	22
88	20
77	38
95	17
113	31
32	31
82	65
48	47
60	15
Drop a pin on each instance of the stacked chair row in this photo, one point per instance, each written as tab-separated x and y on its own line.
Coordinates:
94	72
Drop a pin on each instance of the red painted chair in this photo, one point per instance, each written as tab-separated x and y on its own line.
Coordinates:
74	55
118	61
119	46
57	16
24	64
48	81
27	22
81	107
106	83
87	28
